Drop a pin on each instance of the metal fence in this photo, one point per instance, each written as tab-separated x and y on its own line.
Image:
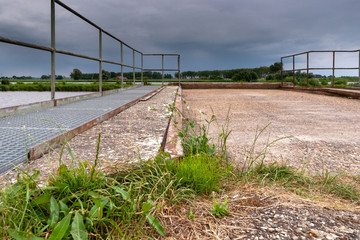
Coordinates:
52	49
308	67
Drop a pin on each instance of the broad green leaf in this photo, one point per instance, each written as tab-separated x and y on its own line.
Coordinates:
18	235
154	222
94	212
78	230
54	212
61	228
146	207
64	208
103	202
125	195
97	211
42	199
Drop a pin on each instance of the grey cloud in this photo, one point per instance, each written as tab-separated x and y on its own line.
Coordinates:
207	33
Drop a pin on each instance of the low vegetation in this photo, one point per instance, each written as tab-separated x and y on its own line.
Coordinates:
61	87
82	202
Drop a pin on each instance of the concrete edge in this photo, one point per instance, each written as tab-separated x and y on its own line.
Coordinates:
44	147
228	85
349	93
172	143
31	107
342	92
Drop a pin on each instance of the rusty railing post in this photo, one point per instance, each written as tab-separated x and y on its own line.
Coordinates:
142	68
307	69
282	77
333	70
53	51
179	68
162	56
100	62
133	66
122	65
294	71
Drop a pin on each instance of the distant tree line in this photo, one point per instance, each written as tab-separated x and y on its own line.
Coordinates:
240	74
15	77
58	77
76	74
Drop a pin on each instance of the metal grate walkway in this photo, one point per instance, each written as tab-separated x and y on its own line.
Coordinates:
21	132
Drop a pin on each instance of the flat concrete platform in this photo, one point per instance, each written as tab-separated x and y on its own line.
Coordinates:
323	131
21	133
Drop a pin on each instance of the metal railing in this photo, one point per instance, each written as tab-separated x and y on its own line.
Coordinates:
52	49
308	68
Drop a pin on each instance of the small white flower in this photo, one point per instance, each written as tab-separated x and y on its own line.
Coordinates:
188	108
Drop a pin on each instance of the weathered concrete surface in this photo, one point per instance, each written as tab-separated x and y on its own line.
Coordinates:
325	130
228	85
172	142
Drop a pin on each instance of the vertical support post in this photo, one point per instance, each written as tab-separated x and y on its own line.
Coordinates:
294	71
162	56
359	67
122	67
142	68
179	68
53	51
282	76
333	71
307	69
133	66
100	62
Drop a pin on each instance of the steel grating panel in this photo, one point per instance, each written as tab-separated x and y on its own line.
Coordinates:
21	132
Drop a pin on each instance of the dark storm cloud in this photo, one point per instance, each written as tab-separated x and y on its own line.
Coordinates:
209	34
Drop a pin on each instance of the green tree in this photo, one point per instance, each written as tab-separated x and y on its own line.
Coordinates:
254	76
76	74
276	67
167	76
105	75
243	76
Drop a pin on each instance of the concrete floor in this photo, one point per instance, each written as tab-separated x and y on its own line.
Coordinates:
323	131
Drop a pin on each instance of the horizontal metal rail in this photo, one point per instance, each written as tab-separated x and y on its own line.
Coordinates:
319	51
308	68
99	59
93	24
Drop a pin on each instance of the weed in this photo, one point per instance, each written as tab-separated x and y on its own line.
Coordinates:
219	209
191	215
202	173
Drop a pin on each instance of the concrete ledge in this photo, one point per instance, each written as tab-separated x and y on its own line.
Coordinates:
229	85
44	147
31	107
171	142
349	93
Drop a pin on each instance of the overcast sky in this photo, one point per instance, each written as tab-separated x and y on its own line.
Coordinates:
209	34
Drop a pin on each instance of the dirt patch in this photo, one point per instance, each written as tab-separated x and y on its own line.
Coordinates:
323	131
258	215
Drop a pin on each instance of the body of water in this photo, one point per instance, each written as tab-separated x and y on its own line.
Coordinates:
10	99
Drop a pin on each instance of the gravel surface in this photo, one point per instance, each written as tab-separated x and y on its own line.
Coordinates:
9	99
133	134
323	131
